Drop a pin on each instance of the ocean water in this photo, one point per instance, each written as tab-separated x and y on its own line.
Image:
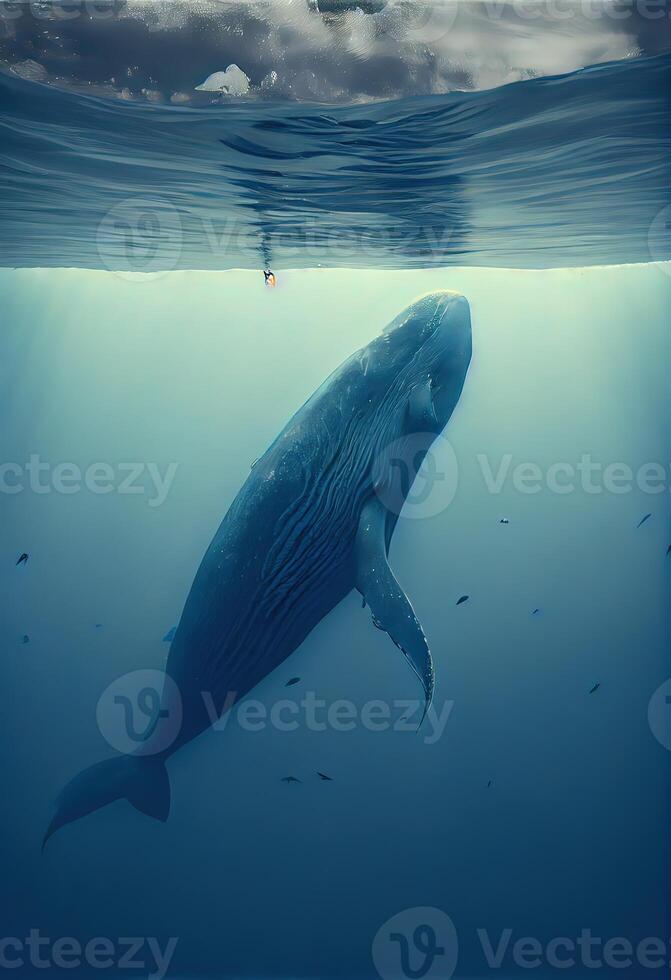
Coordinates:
368	156
202	370
552	171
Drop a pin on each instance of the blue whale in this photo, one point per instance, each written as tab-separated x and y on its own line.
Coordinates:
312	522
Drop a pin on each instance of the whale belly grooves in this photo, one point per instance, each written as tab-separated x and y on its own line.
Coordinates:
304	498
257	595
306	528
309	566
314	538
286	551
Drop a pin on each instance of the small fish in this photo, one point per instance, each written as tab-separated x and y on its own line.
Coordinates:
643	520
363	598
596	687
26	638
23	559
290	779
490	783
322	775
535	612
292	681
668	551
463	598
170	635
99	626
504	520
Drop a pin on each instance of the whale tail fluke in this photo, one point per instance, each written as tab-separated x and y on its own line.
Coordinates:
143	781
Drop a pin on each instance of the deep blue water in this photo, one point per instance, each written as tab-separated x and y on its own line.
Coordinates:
562	171
541	805
257	877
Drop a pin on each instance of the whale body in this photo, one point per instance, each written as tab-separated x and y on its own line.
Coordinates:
311	523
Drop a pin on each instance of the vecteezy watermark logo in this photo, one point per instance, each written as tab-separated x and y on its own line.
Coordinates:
42	476
40	952
416	943
659	714
659	239
140	237
59	10
564	477
140	713
385	19
419	21
586	951
417	474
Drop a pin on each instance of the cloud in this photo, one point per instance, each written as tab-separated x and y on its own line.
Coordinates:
233	81
319	50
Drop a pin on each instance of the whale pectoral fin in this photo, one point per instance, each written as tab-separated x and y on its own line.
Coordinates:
420	407
389	605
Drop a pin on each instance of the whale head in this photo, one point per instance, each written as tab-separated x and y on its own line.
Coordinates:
430	342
